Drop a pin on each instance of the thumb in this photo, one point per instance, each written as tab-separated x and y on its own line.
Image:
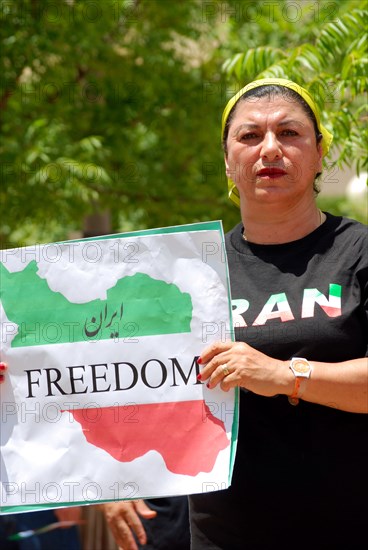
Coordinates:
144	510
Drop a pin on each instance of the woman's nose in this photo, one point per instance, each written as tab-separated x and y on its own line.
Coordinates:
270	147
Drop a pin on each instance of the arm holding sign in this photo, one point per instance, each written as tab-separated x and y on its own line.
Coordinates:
339	385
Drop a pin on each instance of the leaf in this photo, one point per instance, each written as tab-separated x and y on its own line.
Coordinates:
231	65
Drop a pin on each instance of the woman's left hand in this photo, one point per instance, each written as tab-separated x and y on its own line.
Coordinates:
3	368
233	364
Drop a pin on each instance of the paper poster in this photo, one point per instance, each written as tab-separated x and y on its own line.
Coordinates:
101	400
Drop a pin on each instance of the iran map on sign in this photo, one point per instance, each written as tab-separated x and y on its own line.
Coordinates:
136	304
108	353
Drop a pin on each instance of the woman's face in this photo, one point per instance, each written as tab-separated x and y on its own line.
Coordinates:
272	153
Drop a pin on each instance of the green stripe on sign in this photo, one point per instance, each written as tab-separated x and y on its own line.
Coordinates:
137	305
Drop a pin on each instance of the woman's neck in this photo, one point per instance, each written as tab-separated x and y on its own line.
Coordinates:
277	227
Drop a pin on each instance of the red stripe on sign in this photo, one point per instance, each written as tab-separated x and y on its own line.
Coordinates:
186	434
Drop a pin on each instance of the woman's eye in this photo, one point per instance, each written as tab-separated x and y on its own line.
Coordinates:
248	136
289	133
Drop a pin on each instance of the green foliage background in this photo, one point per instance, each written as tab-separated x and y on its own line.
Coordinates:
116	105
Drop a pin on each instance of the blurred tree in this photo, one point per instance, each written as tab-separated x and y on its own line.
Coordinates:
116	106
333	67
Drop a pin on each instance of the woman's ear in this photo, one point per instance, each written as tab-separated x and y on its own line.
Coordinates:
320	158
228	174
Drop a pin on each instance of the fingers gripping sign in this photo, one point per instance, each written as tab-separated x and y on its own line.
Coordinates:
231	364
219	367
3	368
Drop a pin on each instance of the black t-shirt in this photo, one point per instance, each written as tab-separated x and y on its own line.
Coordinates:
300	474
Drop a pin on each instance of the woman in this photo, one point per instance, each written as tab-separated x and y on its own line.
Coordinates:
299	287
299	284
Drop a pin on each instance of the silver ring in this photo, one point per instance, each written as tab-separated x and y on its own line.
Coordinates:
225	370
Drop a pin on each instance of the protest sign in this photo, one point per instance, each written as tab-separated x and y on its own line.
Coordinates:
101	401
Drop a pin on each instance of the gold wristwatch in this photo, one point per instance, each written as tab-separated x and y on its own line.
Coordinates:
302	371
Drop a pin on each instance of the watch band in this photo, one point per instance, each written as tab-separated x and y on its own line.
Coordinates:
302	370
296	390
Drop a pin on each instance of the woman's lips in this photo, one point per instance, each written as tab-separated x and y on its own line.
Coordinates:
271	173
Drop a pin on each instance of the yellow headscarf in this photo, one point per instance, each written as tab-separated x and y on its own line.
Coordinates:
326	136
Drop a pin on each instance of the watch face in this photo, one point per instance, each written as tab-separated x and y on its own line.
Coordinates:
301	365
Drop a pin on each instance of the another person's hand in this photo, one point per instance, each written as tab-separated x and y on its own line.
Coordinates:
72	513
3	368
232	364
123	518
